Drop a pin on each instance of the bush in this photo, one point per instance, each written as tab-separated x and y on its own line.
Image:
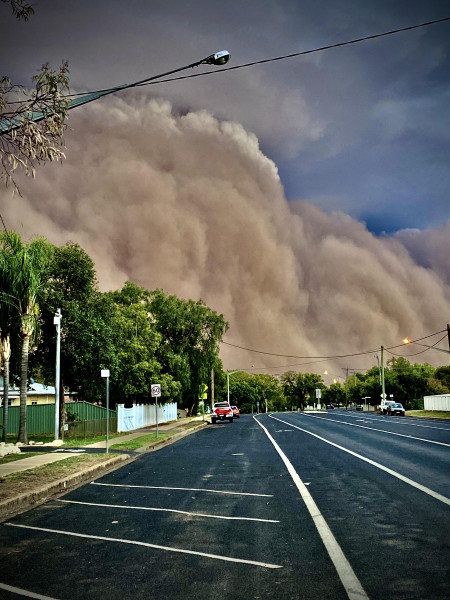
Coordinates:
415	404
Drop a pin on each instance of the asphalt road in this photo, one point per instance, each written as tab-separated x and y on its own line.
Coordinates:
286	506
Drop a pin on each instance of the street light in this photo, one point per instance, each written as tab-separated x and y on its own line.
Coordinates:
217	59
57	321
408	341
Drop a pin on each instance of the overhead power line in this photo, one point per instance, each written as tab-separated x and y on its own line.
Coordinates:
285	56
335	355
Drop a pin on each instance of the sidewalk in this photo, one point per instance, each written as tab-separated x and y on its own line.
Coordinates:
60	453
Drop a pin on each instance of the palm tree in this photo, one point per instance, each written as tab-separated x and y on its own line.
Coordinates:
23	269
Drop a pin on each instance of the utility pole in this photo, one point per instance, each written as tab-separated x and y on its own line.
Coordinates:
448	335
212	388
383	391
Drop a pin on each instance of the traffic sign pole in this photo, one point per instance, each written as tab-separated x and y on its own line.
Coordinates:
156	393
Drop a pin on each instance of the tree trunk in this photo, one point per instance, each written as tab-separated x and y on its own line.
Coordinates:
6	354
23	390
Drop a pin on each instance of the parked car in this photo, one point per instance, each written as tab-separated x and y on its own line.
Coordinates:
360	407
235	412
330	406
383	409
221	411
396	409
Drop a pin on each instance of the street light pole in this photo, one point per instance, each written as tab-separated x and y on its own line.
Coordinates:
105	373
383	391
216	59
57	321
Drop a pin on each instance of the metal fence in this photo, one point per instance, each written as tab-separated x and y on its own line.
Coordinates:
91	428
41	417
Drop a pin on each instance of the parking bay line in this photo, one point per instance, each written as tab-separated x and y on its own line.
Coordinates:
156	487
148	545
411	437
418	486
181	512
26	593
349	580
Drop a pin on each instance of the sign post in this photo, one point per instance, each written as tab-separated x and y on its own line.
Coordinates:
318	397
156	393
105	373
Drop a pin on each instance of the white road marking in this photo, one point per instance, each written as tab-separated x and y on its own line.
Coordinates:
403	421
181	512
351	583
147	545
155	487
411	437
418	486
16	590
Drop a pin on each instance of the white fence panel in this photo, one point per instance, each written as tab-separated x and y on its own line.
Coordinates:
143	415
439	402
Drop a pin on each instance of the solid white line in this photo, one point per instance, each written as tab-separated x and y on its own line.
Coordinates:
16	590
418	486
351	583
379	430
181	512
156	487
147	545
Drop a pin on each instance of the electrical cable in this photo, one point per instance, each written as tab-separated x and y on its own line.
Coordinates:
274	59
329	357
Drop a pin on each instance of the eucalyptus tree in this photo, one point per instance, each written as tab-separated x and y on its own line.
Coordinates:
24	269
191	333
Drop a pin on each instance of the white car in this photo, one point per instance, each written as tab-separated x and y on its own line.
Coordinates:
222	411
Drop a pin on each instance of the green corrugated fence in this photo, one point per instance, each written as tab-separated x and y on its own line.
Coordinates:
41	418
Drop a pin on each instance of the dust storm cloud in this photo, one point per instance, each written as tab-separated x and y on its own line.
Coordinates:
189	204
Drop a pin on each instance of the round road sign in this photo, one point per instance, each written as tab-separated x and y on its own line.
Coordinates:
156	390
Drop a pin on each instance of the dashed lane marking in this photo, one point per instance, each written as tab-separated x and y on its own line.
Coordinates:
411	437
418	486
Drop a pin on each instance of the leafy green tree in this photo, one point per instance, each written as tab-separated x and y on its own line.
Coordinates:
335	394
24	272
191	333
87	339
299	388
442	374
137	342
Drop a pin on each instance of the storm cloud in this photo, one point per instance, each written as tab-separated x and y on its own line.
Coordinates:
190	204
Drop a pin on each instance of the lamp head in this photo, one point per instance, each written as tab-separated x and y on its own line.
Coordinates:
218	58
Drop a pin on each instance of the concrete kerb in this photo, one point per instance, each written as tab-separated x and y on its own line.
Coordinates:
27	500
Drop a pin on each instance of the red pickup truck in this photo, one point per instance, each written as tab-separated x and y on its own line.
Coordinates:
221	411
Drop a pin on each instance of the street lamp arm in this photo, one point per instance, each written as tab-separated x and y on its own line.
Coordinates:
408	341
218	58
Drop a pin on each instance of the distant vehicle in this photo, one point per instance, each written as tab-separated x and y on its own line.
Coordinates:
396	409
235	412
221	411
330	406
360	407
382	409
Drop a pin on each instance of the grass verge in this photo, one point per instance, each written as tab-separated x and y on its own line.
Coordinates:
143	440
426	414
15	484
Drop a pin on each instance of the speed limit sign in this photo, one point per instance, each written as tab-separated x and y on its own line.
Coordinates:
156	390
